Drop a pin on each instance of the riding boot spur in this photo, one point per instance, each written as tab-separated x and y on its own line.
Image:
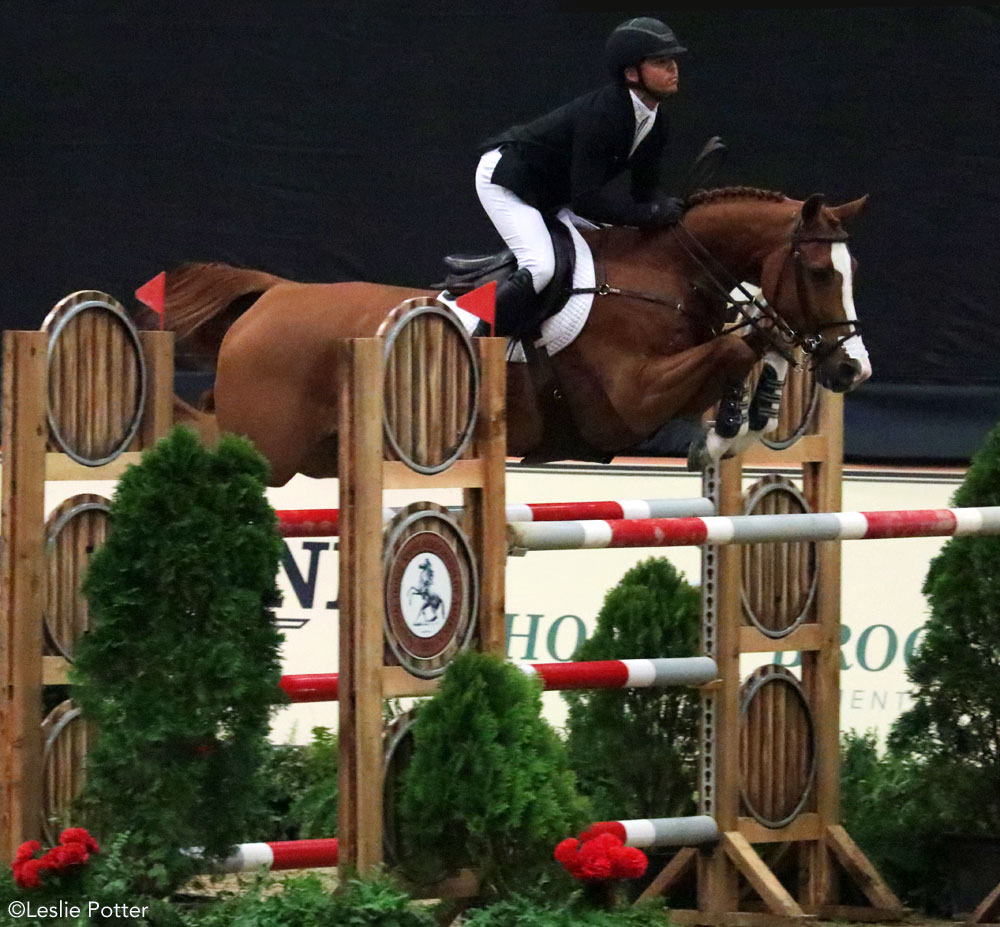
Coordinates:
729	420
515	299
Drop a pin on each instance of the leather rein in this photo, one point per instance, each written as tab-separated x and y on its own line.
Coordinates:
753	308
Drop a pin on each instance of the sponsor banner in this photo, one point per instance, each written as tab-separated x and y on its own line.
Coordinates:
553	597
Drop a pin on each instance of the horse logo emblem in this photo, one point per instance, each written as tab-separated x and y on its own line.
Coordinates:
431	590
425	594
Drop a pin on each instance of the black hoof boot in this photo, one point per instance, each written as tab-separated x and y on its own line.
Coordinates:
766	399
729	420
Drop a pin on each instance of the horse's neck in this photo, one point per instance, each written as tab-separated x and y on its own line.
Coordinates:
738	238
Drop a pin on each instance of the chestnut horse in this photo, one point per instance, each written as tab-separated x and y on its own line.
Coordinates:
655	347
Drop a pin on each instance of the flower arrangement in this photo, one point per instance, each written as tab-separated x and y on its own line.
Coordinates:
599	854
74	850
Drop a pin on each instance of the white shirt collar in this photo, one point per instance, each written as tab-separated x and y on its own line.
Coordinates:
640	108
644	119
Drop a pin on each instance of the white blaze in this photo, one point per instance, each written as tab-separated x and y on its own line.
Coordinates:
854	346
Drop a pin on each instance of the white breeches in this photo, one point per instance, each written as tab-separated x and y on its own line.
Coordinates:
519	224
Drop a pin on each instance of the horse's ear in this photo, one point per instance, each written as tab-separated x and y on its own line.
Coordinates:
850	210
811	208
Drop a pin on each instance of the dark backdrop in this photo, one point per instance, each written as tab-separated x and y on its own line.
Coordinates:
326	141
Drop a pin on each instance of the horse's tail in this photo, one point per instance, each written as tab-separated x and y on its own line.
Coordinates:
201	302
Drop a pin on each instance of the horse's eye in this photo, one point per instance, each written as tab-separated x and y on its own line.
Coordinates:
822	274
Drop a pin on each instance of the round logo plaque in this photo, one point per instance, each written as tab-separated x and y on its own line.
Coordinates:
431	589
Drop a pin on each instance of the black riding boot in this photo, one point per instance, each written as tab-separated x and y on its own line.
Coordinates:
515	301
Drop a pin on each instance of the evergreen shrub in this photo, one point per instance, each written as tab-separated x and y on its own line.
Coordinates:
180	668
488	785
635	751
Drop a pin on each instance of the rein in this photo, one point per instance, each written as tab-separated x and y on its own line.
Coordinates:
606	289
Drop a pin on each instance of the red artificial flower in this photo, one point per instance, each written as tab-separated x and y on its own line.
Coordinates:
27	874
59	859
52	861
603	856
566	851
616	828
26	850
80	836
628	863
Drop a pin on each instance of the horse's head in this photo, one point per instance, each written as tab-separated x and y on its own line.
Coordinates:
808	282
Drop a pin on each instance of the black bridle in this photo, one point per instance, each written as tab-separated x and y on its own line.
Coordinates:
755	310
757	313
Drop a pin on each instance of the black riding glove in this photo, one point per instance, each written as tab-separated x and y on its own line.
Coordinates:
668	211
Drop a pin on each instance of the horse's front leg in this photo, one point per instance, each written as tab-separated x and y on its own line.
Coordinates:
730	433
762	414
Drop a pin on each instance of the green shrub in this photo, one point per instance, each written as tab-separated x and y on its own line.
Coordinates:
635	751
535	911
488	784
180	668
305	901
955	717
313	810
898	809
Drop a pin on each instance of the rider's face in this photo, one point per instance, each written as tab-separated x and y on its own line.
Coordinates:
655	79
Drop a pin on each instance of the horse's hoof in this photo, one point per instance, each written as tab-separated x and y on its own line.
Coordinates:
698	456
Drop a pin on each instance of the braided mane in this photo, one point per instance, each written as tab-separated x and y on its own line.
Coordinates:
704	197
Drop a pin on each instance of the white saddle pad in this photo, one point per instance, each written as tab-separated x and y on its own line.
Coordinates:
558	330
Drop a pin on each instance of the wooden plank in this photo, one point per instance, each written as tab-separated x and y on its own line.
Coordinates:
804	637
988	908
361	606
682	863
854	913
809	448
490	500
738	919
158	414
461	474
805	827
822	486
55	671
764	882
61	467
398	683
860	869
22	578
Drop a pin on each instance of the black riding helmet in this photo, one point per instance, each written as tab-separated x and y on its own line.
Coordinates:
636	39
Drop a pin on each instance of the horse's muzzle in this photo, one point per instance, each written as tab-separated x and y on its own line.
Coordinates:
840	374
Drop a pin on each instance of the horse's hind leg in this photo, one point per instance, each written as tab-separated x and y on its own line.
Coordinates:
280	421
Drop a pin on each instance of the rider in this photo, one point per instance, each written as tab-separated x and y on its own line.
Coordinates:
568	156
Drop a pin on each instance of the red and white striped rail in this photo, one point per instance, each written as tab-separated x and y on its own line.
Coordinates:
282	854
302	523
590	674
754	529
662	832
324	853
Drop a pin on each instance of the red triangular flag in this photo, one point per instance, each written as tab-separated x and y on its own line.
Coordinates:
481	302
153	294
